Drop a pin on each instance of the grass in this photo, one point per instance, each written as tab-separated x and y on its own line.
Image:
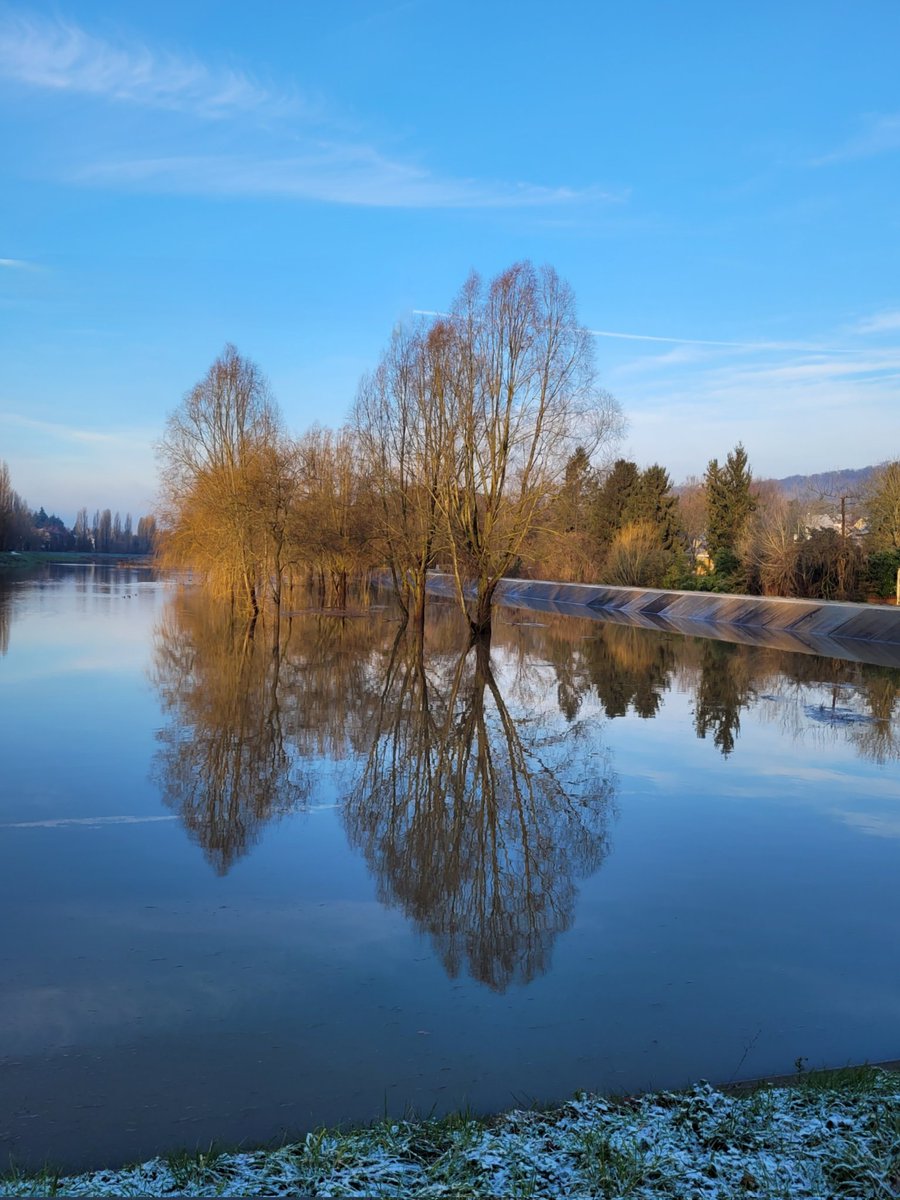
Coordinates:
853	1080
829	1134
613	1164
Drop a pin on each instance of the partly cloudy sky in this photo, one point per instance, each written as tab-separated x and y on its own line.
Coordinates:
719	185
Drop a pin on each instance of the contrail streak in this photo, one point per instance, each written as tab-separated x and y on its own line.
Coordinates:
680	341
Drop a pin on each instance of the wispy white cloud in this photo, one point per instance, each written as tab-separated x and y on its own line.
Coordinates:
60	56
330	172
801	371
883	322
837	399
72	433
803	380
880	135
309	157
17	264
678	356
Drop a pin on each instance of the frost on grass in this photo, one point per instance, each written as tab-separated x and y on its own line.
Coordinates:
814	1140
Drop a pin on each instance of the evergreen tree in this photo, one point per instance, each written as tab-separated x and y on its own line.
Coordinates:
578	494
652	500
613	500
729	502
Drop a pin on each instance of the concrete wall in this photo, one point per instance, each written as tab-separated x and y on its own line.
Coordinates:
864	632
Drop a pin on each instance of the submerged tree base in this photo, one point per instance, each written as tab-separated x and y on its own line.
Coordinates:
832	1134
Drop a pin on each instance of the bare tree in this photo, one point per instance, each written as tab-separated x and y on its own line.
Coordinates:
402	417
10	504
522	397
883	505
104	532
146	534
692	508
333	516
637	557
829	566
769	545
210	456
830	502
82	531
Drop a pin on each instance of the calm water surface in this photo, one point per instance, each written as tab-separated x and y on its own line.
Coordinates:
252	886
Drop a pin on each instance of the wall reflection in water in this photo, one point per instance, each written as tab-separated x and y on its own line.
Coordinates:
630	670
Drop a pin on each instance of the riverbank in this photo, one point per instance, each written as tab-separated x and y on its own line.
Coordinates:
13	561
827	1134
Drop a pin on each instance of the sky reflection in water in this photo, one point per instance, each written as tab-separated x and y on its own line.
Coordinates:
407	872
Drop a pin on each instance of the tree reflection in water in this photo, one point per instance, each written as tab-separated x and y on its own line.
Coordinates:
5	616
476	822
629	669
254	710
223	763
477	806
724	688
878	739
811	696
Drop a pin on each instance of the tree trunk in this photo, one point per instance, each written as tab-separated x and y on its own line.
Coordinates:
480	610
252	602
417	607
339	587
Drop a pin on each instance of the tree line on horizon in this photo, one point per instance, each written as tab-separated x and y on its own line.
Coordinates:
23	528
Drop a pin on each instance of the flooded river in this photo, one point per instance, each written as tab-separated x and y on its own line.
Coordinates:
252	883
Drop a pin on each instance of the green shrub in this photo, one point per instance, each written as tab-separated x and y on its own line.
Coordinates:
881	572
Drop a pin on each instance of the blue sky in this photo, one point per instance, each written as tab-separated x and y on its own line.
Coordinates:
717	182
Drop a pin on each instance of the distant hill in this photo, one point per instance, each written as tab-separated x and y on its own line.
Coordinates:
845	482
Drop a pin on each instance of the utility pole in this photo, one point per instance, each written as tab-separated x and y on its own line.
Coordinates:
845	496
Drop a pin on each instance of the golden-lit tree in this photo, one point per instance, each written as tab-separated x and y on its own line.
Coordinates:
333	528
523	397
883	506
637	557
217	458
402	417
563	545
